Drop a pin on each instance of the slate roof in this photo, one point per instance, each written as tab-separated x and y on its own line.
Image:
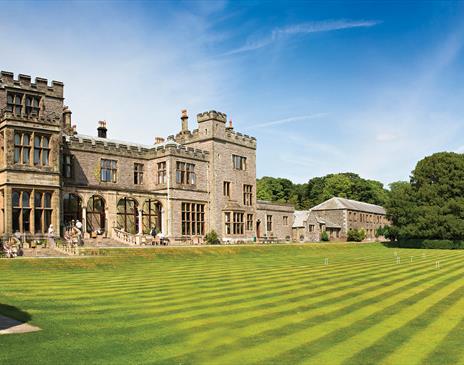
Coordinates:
300	216
342	203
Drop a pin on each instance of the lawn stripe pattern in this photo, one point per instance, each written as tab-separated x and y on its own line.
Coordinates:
247	305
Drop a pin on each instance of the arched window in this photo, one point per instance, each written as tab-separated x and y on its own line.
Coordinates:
151	215
127	215
96	214
72	208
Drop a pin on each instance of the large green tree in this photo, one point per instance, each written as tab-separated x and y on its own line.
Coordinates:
319	189
431	206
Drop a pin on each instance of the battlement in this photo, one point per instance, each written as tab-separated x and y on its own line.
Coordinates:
54	89
125	149
230	135
211	115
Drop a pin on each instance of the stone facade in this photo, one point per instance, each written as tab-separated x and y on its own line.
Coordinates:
338	216
274	221
185	186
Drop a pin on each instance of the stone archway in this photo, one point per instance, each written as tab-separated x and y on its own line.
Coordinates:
96	216
72	208
128	215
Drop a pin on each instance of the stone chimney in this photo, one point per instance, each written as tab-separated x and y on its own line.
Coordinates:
66	118
159	140
184	119
102	129
230	127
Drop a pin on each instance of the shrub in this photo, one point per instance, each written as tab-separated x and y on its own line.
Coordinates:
324	236
441	244
356	235
212	238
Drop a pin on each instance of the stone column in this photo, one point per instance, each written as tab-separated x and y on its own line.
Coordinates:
84	220
140	221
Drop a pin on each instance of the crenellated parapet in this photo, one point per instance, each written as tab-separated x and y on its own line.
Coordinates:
24	82
105	146
211	115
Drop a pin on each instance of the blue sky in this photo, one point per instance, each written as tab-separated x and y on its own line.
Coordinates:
325	87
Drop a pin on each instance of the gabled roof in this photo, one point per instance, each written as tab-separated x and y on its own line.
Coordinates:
342	203
300	216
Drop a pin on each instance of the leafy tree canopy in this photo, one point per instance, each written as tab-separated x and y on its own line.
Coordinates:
318	189
431	205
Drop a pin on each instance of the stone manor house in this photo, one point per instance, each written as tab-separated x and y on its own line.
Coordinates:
186	185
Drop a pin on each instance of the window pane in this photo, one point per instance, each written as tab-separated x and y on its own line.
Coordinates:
26	139
45	157
38	220
48	200
45	142
26	220
38	200
17	153
36	156
15	199
17	139
37	141
25	200
26	152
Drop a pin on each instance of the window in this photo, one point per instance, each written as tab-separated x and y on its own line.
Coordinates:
151	216
72	208
269	223
127	216
21	206
41	150
234	223
95	217
237	224
162	172
239	162
109	169
32	105
248	194
226	188
285	220
14	103
42	211
138	173
22	148
193	219
68	166
185	173
249	223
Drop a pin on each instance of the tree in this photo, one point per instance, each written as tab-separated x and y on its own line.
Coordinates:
431	206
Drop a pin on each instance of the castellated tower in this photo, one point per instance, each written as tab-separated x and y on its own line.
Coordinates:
31	122
231	175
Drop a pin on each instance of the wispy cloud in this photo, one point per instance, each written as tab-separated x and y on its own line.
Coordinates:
286	121
303	28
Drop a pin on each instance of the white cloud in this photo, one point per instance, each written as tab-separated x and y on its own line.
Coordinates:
286	121
304	28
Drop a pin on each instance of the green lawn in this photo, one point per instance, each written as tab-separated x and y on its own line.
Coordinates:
275	304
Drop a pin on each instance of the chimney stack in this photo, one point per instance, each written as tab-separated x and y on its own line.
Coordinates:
159	140
184	119
66	118
102	129
230	127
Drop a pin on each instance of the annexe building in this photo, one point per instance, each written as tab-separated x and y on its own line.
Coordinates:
338	216
186	185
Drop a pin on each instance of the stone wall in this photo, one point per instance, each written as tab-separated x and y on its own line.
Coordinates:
282	220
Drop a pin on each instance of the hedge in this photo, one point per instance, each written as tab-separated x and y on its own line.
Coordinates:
428	244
